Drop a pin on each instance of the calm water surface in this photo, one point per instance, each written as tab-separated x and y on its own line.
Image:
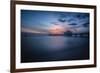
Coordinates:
53	48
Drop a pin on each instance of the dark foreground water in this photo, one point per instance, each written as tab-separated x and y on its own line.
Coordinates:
53	48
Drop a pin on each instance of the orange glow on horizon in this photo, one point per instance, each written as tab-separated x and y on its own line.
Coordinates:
57	29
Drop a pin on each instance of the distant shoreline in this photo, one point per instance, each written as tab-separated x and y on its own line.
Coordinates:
71	35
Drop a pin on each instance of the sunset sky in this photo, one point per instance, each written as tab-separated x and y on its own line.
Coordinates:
56	22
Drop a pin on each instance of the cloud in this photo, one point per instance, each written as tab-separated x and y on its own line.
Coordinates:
62	20
82	30
42	21
28	30
82	16
86	24
72	24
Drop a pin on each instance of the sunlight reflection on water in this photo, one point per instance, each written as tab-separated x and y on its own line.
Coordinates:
55	43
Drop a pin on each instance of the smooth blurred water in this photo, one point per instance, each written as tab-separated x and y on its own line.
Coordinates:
53	48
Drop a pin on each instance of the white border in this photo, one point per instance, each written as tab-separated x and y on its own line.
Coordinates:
55	63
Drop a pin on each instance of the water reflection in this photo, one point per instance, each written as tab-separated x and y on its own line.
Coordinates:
55	43
53	48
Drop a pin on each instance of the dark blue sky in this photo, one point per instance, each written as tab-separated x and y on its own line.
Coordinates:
41	21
